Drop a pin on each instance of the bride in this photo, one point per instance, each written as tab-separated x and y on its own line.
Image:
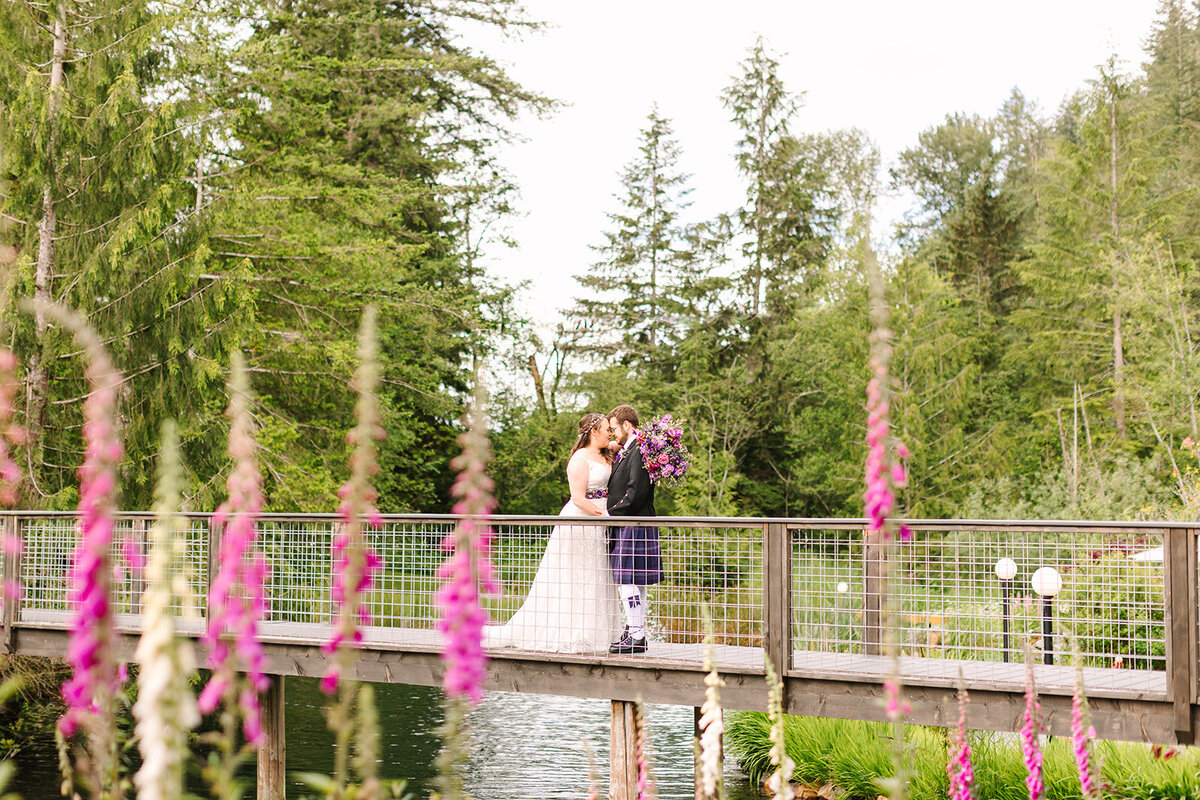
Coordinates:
572	606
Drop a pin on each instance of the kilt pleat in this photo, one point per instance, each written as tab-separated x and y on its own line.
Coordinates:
634	555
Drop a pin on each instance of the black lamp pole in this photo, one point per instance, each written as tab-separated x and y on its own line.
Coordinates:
1048	629
1004	588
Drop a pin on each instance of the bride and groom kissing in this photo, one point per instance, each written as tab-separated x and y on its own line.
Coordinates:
591	575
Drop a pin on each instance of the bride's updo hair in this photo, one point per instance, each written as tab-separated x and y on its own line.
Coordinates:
587	424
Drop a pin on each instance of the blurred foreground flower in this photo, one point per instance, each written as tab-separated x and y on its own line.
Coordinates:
1031	748
235	599
165	709
354	565
460	616
779	783
962	774
89	693
1083	735
11	436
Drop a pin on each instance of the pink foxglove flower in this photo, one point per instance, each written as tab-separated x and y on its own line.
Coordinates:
11	435
236	601
89	692
355	564
962	775
884	475
461	617
1082	736
1031	748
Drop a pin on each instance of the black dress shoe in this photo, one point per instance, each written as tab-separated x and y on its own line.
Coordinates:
627	645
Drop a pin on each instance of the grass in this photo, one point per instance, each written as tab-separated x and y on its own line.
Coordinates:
851	756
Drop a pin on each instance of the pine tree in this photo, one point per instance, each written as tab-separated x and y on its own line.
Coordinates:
784	221
630	296
1098	208
1173	68
355	126
105	222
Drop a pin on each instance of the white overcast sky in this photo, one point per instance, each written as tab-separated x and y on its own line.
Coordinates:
891	68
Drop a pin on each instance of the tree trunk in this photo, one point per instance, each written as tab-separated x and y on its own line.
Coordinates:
538	385
761	157
1117	343
39	379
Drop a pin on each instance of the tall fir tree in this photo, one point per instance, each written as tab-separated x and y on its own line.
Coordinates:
1098	208
105	221
784	224
631	301
355	127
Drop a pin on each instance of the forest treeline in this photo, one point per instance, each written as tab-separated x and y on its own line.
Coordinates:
220	175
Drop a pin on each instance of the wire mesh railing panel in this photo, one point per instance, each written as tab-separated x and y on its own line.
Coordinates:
559	592
128	558
956	592
48	545
299	555
402	593
827	591
718	569
190	579
1109	604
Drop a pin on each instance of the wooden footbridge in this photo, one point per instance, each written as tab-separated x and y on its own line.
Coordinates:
809	594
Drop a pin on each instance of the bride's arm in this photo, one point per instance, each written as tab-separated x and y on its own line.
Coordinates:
577	479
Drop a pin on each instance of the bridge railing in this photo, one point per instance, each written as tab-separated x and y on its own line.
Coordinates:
808	593
962	598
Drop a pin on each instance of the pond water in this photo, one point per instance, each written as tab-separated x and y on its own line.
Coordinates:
524	747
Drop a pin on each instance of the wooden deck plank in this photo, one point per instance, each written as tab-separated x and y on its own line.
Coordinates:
994	675
915	670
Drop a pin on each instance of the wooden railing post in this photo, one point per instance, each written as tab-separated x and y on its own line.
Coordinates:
777	597
272	755
874	554
214	560
11	577
622	751
1179	584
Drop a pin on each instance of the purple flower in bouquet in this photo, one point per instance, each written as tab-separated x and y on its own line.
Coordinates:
664	455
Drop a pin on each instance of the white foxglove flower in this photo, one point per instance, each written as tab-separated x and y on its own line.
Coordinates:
712	726
165	709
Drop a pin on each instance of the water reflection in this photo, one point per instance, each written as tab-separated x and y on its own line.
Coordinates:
524	747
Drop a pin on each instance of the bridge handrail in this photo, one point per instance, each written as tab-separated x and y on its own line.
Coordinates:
802	523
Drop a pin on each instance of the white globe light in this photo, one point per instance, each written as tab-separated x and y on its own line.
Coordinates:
1006	569
843	587
1046	582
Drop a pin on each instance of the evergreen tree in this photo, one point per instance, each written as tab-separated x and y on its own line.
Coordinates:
1173	68
1098	207
105	221
784	221
355	129
630	297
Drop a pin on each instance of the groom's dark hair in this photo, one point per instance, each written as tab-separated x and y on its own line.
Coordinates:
624	414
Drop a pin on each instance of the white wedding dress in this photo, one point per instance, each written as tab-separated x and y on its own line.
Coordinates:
572	605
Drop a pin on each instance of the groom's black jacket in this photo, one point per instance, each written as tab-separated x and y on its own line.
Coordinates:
630	492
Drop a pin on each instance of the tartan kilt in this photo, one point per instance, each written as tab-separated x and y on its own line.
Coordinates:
634	556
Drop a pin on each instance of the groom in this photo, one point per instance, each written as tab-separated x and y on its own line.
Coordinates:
633	549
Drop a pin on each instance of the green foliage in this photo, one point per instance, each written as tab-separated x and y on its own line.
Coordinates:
349	142
854	756
110	169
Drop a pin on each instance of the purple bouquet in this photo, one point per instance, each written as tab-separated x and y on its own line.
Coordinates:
664	454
